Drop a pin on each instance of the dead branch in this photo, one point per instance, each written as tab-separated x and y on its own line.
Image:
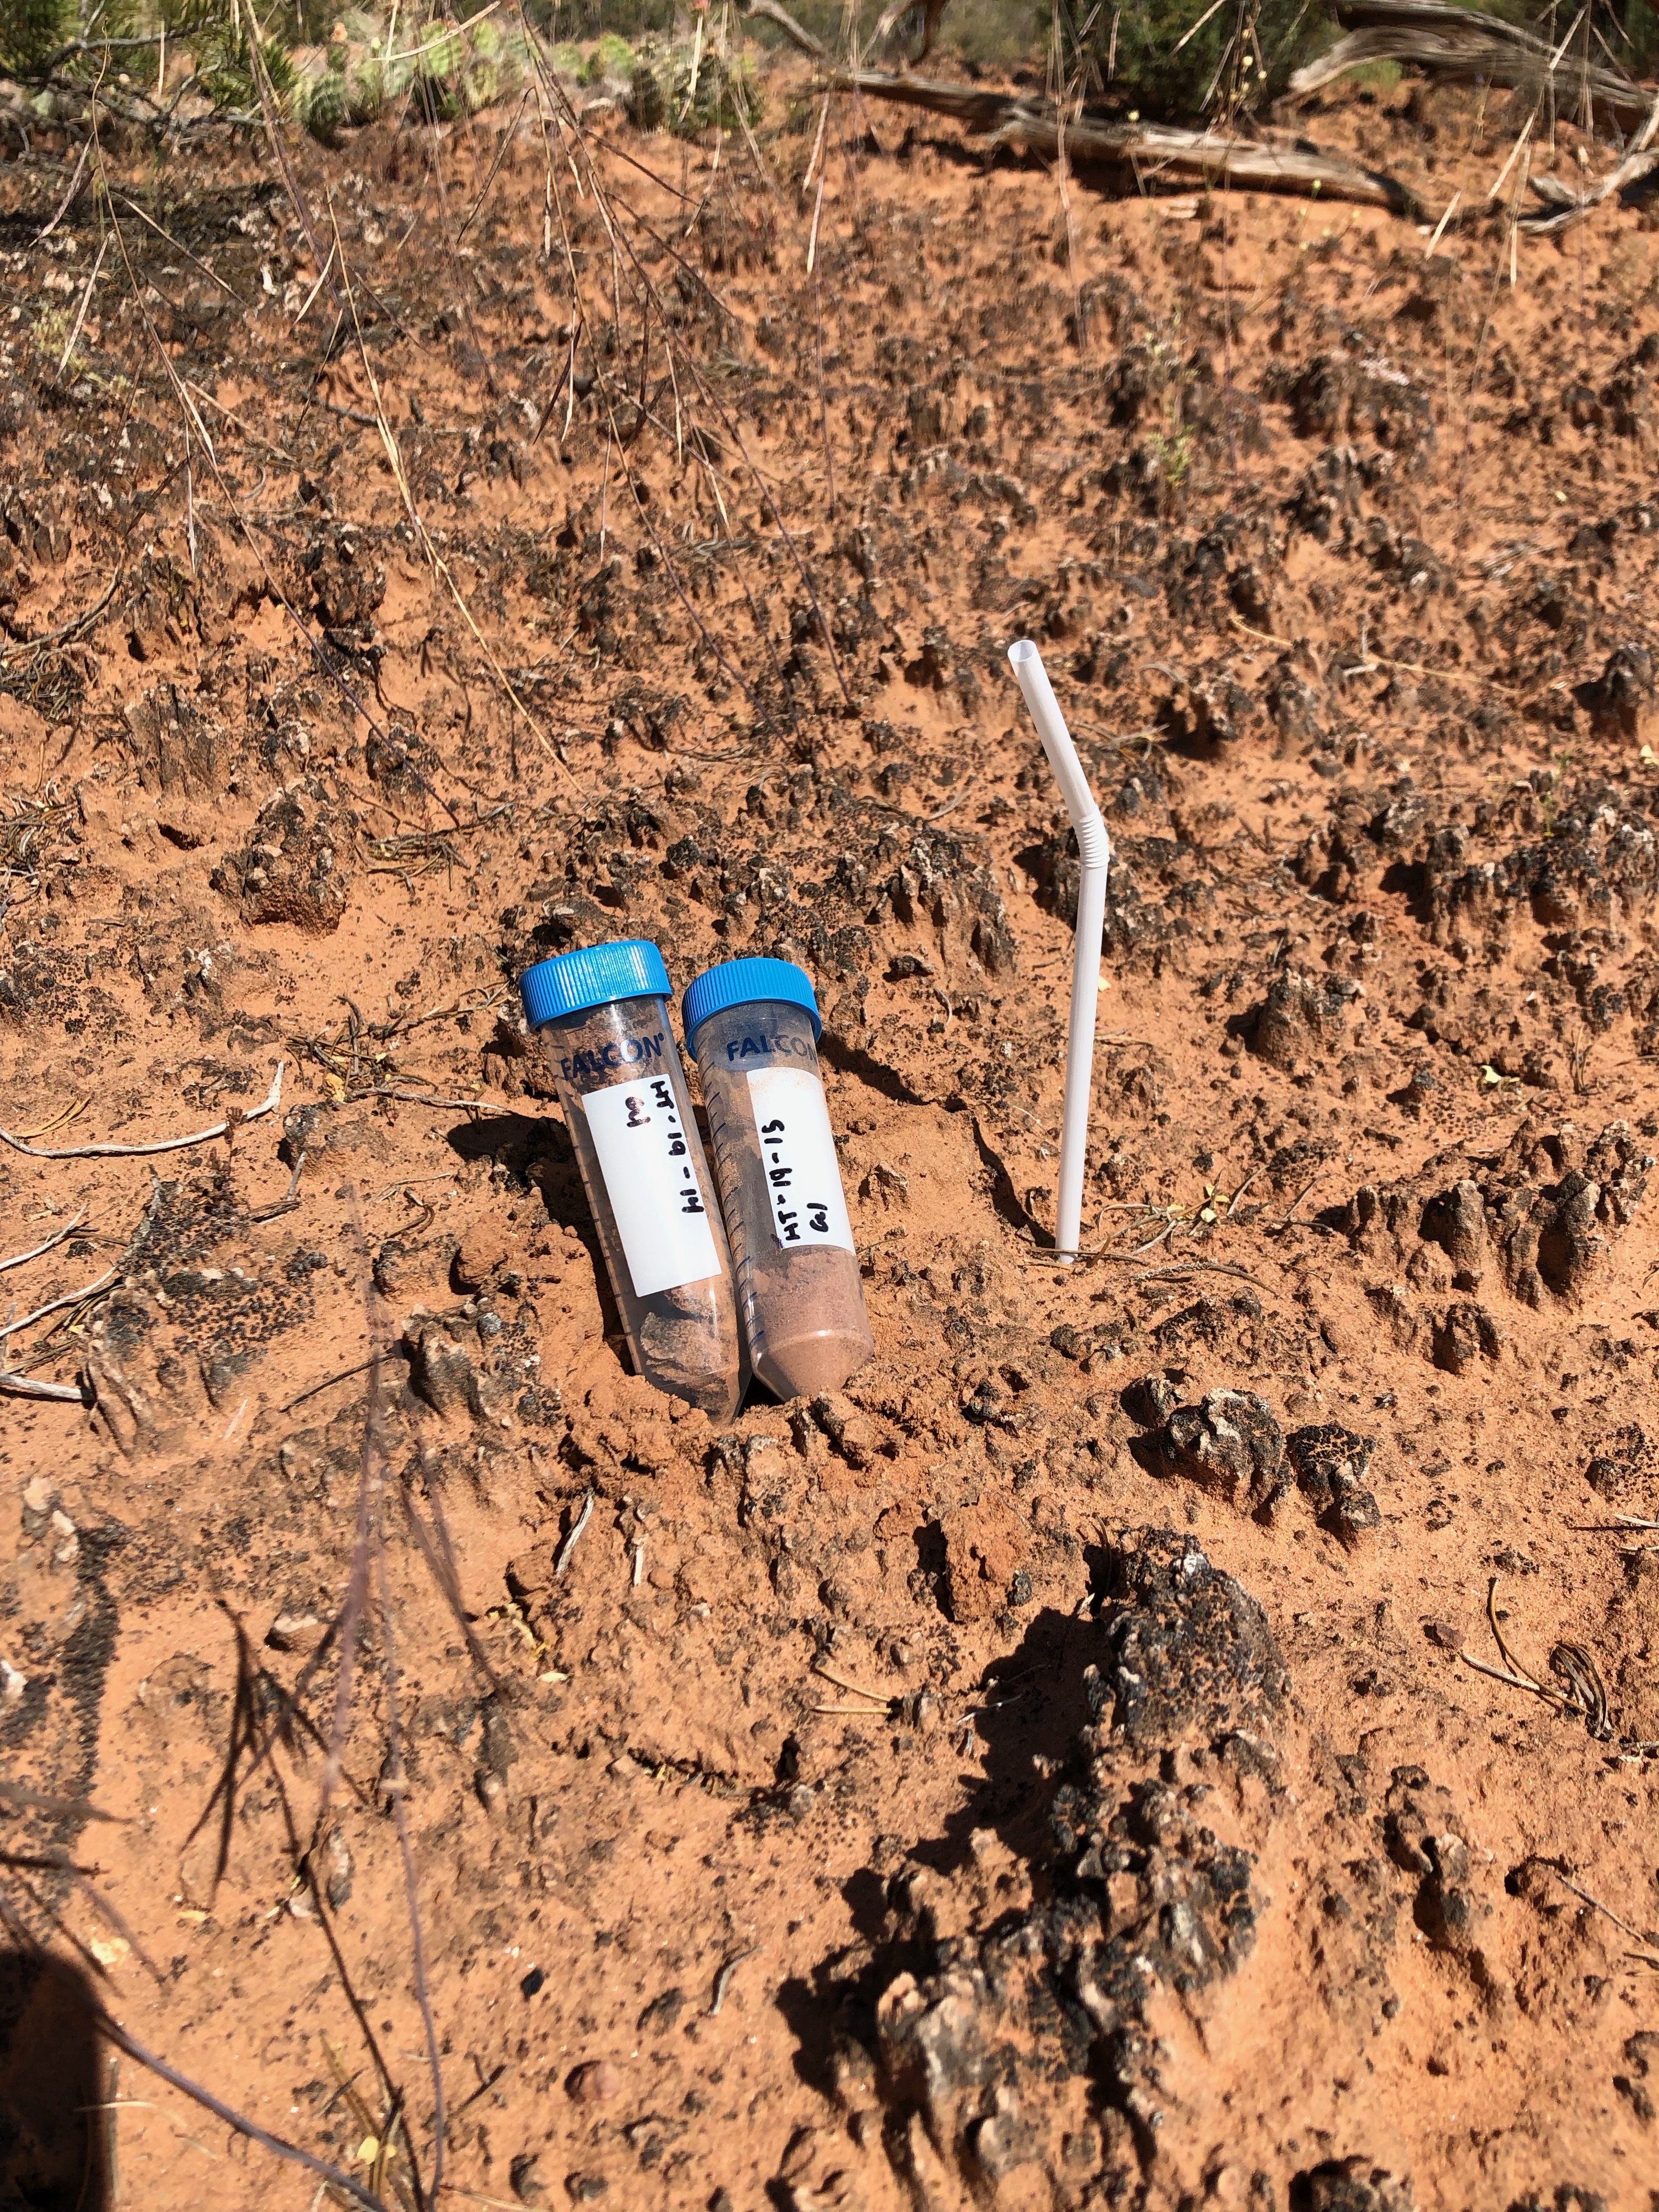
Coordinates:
1571	208
786	23
1155	152
268	1105
1455	46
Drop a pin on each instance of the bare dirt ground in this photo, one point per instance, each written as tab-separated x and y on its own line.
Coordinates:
1046	1775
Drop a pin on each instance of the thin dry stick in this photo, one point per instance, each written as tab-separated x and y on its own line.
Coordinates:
327	664
120	1151
81	312
72	1112
439	566
351	1612
331	2176
65	630
1512	1672
1642	1935
113	2032
579	319
55	1305
18	1259
397	1790
25	1386
845	1682
212	275
74	186
477	209
1466	455
602	199
569	1544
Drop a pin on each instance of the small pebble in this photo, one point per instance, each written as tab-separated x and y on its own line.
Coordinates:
594	2084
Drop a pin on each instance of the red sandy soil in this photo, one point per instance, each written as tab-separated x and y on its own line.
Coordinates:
1157	1869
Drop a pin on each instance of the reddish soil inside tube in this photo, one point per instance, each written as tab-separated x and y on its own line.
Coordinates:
1045	1772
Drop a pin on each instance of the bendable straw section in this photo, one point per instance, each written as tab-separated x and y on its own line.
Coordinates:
1095	854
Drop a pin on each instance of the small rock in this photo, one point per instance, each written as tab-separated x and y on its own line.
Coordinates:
1331	1464
1466	1335
1230	1443
1004	2140
1303	1017
887	1187
1351	2185
1625	688
1151	1402
586	2188
348	583
298	1629
442	1374
596	2082
337	1870
1354	1517
530	1983
485	1250
12	1684
293	869
985	1547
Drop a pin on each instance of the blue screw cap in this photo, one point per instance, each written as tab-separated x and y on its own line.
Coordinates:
742	982
573	982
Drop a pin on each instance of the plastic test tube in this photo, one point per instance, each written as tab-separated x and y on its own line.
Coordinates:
602	1016
752	1027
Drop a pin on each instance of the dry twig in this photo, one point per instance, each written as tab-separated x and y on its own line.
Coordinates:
120	1151
18	1259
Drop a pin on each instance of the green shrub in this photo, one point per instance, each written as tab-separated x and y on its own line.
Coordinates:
33	30
1641	30
664	94
1178	82
611	56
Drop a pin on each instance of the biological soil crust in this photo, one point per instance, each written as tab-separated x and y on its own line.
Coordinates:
1046	1772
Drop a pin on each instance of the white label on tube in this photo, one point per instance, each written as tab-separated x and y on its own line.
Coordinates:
651	1180
798	1156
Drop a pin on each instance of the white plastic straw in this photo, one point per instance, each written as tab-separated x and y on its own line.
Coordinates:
1095	852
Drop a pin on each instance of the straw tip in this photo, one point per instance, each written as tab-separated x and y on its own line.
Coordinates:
1022	651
